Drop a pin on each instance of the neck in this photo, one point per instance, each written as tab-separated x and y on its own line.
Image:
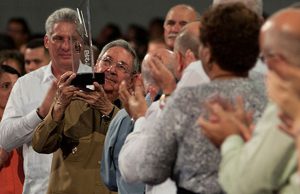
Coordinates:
57	71
216	73
1	113
225	76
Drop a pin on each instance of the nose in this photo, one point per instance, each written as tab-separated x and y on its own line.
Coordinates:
112	69
176	27
66	45
29	66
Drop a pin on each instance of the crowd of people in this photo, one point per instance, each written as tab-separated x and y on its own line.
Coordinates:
203	103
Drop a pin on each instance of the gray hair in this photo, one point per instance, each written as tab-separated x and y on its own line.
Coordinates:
187	40
63	15
124	44
170	63
254	5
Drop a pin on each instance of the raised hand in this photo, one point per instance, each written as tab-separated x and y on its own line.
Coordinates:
225	121
162	76
97	99
64	95
48	100
137	103
283	93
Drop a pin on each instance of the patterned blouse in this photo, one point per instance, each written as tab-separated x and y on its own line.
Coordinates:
175	146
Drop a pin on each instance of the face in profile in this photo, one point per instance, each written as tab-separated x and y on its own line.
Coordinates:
7	81
117	64
60	45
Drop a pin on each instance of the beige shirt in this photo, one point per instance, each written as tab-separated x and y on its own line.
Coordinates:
77	142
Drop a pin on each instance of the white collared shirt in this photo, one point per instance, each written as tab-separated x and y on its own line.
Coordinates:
18	124
192	75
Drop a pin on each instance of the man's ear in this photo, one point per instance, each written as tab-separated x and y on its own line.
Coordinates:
180	60
189	57
46	41
205	54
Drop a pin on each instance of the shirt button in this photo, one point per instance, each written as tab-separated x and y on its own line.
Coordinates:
74	150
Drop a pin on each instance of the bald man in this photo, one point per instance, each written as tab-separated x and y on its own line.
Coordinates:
266	163
176	18
189	69
144	119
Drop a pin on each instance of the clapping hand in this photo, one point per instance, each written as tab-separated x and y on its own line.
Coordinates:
162	76
225	120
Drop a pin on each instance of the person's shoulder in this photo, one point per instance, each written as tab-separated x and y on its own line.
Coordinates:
36	75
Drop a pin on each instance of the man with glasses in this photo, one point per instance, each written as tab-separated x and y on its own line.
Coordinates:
76	125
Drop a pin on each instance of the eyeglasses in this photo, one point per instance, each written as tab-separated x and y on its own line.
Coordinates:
265	57
119	65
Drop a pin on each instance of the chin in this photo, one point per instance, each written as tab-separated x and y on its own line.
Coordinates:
108	87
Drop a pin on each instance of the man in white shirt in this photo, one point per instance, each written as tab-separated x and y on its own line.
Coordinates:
186	49
29	101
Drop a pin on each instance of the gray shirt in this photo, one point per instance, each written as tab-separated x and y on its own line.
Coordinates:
174	147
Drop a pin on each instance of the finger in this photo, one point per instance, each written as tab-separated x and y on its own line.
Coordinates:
139	93
244	131
240	110
286	129
287	71
219	111
98	87
154	68
286	121
82	94
101	92
249	118
139	81
206	125
69	79
64	77
123	90
240	105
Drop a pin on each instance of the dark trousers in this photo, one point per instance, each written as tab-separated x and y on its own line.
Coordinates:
184	191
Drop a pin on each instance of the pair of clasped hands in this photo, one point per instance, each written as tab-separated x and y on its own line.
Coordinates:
63	93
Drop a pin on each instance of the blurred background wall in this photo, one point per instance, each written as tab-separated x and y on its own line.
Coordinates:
121	12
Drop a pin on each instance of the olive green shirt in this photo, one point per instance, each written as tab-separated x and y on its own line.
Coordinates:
77	142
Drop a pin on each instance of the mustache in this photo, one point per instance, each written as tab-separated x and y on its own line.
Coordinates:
172	35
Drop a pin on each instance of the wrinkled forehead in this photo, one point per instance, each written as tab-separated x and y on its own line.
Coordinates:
181	14
64	28
118	53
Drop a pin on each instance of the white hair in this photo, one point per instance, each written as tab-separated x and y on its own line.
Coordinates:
254	5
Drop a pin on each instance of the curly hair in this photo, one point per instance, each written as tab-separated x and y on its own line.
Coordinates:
231	33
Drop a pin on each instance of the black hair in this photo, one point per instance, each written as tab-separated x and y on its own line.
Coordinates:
8	69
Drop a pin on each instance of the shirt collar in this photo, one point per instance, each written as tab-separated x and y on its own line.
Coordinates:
48	75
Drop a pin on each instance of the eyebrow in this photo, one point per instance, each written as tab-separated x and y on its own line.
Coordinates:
108	56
